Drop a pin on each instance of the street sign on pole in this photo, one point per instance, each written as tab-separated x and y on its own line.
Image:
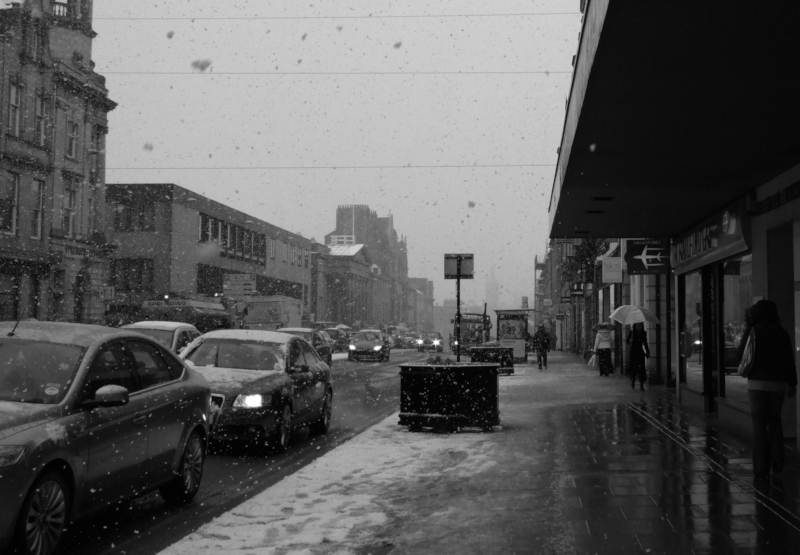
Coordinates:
458	266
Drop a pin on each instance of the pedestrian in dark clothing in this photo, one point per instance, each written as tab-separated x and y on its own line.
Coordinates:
772	378
541	342
637	367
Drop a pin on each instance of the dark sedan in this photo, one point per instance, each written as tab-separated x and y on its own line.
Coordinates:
369	344
320	340
263	385
90	416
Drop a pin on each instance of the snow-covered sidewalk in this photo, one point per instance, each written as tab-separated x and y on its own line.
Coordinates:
391	490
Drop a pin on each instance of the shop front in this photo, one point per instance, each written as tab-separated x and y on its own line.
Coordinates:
713	271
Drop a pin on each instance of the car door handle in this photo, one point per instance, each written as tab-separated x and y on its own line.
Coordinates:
141	419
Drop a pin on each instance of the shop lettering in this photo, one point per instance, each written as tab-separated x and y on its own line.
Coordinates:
780	198
695	244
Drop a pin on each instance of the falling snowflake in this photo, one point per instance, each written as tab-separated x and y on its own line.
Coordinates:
148	147
398	44
170	34
471	204
201	65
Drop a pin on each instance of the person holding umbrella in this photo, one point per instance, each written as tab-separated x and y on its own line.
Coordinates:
637	339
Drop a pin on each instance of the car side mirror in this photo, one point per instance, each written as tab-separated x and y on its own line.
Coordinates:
108	396
299	368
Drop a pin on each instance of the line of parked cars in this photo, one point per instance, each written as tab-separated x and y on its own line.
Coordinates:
91	416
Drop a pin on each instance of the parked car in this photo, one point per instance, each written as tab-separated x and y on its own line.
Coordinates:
175	335
369	344
430	341
319	339
410	342
264	384
340	337
90	416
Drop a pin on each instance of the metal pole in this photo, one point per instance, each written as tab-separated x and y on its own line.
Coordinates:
458	309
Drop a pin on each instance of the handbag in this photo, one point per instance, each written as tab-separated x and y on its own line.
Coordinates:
593	361
748	355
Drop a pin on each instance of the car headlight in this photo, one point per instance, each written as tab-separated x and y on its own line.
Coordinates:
10	454
352	347
377	348
698	342
251	402
419	341
435	341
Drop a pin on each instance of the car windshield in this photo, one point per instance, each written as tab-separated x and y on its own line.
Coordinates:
233	353
36	371
366	336
304	334
163	336
431	335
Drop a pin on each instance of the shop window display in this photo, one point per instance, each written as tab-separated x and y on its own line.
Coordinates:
693	331
738	297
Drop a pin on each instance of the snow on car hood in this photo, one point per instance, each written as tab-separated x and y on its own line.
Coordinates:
18	417
234	380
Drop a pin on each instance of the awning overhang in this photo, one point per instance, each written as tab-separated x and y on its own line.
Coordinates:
676	110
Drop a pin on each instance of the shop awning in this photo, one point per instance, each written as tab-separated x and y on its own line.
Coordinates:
676	110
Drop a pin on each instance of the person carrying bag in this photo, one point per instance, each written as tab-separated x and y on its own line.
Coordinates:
603	343
769	366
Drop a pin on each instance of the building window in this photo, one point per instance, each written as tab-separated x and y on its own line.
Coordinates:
135	216
248	244
68	222
239	239
42	116
307	256
272	248
37	220
73	131
8	204
36	43
215	227
225	235
205	223
94	149
284	251
132	274
262	248
14	109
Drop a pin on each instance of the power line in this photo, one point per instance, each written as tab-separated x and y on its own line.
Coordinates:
278	18
264	168
212	73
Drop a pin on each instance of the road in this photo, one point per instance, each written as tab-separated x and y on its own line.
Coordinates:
364	393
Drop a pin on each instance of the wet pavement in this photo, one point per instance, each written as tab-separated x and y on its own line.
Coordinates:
639	474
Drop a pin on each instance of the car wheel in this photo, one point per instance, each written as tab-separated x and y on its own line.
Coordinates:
323	423
183	487
283	430
44	515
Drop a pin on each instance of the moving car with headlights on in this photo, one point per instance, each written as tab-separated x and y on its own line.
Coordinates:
369	344
175	335
264	384
430	341
319	339
90	416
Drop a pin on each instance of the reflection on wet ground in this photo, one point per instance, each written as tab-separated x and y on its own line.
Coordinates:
650	471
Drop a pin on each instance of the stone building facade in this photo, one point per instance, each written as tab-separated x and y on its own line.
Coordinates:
54	258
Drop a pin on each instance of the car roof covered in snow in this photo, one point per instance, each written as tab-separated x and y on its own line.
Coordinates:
67	333
250	335
158	325
293	330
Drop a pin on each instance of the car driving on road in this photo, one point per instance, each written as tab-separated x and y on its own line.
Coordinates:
264	384
90	416
369	344
430	341
175	335
319	339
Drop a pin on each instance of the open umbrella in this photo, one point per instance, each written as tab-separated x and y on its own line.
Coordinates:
631	314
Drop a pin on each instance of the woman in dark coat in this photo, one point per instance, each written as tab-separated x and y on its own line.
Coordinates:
637	368
772	377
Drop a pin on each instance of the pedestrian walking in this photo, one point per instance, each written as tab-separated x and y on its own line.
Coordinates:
639	352
603	342
772	377
541	342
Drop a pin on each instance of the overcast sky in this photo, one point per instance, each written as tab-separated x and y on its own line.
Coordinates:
446	114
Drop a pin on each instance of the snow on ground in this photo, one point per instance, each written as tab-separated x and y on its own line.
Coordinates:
339	503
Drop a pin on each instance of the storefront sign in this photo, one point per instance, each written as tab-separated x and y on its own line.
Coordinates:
78	252
545	302
612	269
181	303
459	266
647	256
566	299
724	234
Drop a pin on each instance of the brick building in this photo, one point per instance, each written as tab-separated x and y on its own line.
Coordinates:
170	239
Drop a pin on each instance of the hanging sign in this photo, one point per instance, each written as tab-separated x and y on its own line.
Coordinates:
612	269
451	270
647	256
